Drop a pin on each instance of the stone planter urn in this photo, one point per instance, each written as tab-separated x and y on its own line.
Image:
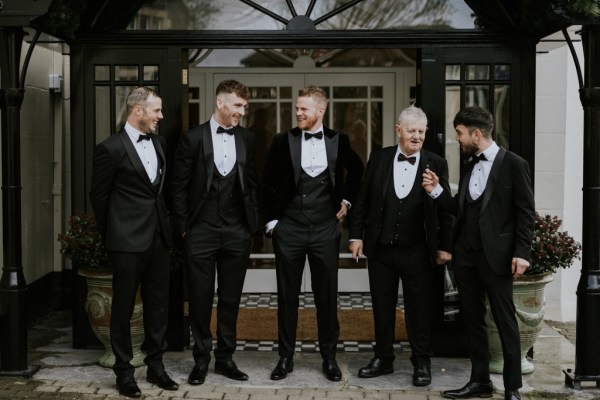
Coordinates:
98	307
528	296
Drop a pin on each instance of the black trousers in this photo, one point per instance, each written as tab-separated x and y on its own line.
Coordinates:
151	270
413	266
292	243
221	252
475	280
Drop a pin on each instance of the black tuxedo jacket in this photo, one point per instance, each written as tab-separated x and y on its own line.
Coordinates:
284	165
367	214
127	206
193	172
507	214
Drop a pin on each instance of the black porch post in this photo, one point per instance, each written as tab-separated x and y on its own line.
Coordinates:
587	351
13	325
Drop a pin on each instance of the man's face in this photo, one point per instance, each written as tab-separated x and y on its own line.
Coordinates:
411	135
230	109
151	114
309	113
467	140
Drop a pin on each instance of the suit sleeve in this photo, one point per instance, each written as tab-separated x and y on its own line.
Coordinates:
268	188
183	167
358	212
445	217
524	204
103	176
252	177
354	170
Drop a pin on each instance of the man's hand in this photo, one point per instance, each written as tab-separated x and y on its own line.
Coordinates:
343	212
518	267
443	257
356	248
430	180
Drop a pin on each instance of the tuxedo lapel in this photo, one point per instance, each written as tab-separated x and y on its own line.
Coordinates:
161	161
387	165
493	177
240	152
465	186
135	158
331	148
209	157
294	139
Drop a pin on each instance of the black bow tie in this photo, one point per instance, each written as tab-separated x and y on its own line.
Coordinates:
412	160
478	158
143	137
308	135
220	129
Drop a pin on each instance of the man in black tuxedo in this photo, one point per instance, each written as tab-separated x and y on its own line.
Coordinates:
310	179
495	216
216	213
126	195
405	235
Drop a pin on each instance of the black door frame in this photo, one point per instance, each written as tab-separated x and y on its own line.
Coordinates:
432	44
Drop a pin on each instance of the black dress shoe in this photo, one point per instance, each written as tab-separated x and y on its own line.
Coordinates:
512	395
331	370
471	389
127	386
376	367
422	375
198	374
230	370
161	379
284	366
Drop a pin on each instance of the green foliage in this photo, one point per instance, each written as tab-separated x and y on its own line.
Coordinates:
82	243
551	249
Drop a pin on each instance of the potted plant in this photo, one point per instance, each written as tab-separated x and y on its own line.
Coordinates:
82	244
550	249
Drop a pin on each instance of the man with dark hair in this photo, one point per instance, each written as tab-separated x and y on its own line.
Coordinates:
126	195
215	213
405	236
310	179
495	216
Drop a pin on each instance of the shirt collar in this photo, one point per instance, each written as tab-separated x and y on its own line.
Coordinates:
417	155
491	152
133	133
214	125
320	129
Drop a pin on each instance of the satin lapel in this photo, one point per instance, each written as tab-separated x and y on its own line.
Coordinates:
493	178
465	186
240	153
209	157
296	154
162	162
331	148
135	158
387	165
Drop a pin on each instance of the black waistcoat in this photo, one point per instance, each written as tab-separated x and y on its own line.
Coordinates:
470	234
224	203
403	222
312	203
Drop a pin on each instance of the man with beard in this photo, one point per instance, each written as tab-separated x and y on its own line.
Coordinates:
495	216
216	213
310	179
126	195
405	235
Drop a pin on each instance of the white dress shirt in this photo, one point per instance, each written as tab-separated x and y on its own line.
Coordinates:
481	171
479	175
405	174
145	150
223	148
314	155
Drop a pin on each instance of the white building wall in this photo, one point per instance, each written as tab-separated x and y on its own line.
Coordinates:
559	164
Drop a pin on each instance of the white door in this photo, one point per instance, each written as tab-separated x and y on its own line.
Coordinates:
362	103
